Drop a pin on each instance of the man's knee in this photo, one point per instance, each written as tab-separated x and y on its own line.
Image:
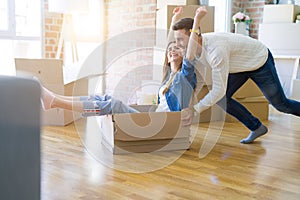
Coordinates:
283	107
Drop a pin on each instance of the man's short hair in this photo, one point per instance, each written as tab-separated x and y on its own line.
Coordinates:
184	23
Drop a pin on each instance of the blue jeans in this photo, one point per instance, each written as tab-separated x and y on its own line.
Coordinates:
267	80
106	104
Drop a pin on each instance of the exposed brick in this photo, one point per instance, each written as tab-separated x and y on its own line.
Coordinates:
51	34
48	21
55	28
251	10
49	48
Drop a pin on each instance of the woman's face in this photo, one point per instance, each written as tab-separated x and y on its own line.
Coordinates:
174	53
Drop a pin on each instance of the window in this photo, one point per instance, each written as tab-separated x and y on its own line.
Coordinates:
222	14
4	15
28	18
20	32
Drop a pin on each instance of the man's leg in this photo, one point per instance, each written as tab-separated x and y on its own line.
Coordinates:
267	80
234	108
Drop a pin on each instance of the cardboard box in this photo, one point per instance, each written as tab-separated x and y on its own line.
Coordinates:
258	106
249	95
296	90
249	89
162	3
287	68
286	35
50	73
144	132
282	13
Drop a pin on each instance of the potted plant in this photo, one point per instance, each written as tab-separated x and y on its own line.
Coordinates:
298	18
241	22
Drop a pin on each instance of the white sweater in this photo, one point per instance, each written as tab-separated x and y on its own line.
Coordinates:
224	53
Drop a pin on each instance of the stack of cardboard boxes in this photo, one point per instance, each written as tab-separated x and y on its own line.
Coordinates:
248	95
51	74
279	23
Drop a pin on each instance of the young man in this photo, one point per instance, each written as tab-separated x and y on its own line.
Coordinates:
232	60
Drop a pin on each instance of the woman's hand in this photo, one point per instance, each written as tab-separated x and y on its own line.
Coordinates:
176	14
200	12
187	115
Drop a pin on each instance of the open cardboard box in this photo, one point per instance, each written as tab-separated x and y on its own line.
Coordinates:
51	74
148	131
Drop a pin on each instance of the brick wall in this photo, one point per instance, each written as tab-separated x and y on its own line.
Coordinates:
52	27
127	15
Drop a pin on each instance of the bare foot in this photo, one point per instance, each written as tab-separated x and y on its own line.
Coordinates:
47	98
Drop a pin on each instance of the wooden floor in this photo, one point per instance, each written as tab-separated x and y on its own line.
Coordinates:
267	169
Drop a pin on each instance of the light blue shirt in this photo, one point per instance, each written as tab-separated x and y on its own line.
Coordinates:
180	92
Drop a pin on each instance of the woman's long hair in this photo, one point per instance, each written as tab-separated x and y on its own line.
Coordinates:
167	70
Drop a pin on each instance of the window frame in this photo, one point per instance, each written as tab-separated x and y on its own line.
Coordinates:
10	20
228	11
10	33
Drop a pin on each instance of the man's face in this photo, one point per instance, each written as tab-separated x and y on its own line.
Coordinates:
181	38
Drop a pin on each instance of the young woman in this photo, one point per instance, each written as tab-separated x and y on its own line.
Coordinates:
175	94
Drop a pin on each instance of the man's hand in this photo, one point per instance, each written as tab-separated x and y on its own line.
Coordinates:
187	115
200	12
176	14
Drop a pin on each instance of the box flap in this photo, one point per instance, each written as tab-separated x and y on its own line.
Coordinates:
144	108
252	99
48	71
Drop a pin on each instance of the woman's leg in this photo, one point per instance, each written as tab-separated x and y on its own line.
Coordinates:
267	80
92	105
52	100
106	105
